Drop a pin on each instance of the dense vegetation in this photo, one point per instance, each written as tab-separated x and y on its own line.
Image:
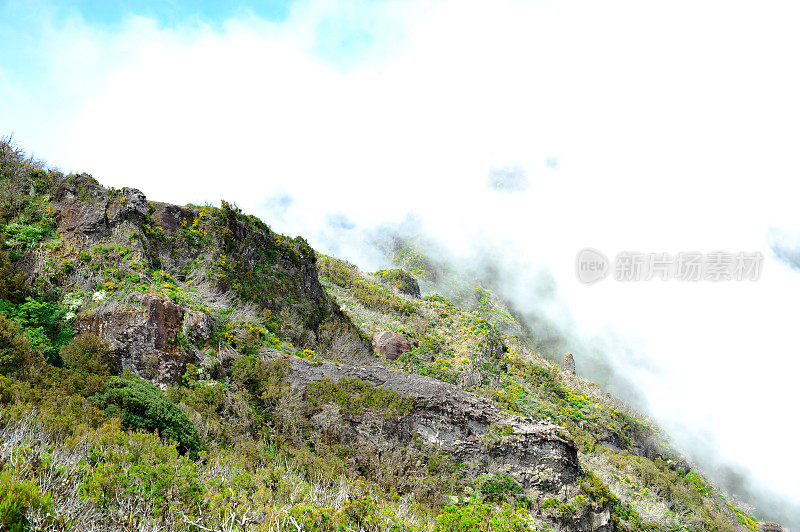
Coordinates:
230	445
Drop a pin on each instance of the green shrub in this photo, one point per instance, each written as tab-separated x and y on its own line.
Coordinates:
16	353
502	488
401	280
480	517
20	234
354	396
17	497
622	514
45	324
140	405
743	517
12	279
264	380
372	295
88	353
138	467
695	479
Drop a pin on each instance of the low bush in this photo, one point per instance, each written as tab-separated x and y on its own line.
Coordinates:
88	353
12	279
354	396
140	405
17	497
44	322
372	295
480	517
16	353
400	279
502	488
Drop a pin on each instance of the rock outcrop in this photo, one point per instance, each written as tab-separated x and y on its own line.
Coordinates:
569	363
390	344
276	274
145	340
471	428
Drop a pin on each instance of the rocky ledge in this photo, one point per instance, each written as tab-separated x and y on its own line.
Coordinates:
471	428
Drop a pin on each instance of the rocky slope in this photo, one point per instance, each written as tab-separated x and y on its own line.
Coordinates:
265	370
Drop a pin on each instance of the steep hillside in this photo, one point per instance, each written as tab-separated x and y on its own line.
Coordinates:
186	368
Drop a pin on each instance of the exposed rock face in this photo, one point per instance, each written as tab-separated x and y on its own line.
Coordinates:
144	340
569	363
171	217
471	428
131	206
85	218
461	423
470	377
197	326
390	344
767	526
88	212
601	521
282	270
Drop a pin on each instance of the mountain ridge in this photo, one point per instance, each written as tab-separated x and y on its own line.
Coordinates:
260	349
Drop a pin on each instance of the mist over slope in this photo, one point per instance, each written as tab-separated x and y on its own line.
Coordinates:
531	129
538	313
172	367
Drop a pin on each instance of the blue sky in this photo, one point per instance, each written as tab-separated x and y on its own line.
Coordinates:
169	12
648	126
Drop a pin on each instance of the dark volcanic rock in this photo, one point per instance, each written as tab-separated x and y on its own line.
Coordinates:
172	217
85	218
132	205
390	344
197	326
143	339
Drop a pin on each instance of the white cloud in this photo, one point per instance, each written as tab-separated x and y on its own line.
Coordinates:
674	126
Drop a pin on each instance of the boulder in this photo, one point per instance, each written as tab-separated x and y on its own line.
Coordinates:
390	344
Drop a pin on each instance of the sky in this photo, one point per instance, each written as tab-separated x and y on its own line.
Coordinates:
620	126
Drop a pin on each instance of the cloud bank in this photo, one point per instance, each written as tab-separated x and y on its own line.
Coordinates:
538	127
